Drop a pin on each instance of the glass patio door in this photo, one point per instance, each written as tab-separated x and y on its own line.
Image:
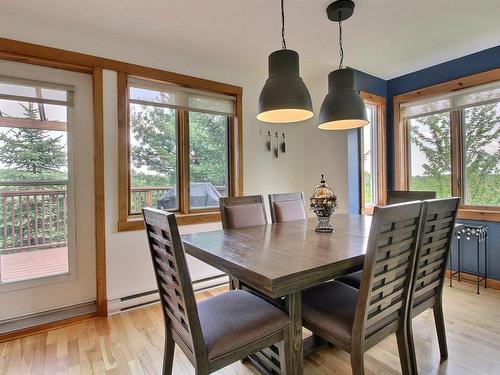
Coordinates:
47	247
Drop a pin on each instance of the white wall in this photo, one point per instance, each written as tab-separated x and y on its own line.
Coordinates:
310	152
325	152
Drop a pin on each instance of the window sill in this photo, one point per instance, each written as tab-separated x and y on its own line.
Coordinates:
368	210
479	213
137	223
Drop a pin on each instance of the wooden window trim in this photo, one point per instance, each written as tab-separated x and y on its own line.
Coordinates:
128	222
380	103
468	212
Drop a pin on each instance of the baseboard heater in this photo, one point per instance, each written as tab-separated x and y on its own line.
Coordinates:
134	301
46	317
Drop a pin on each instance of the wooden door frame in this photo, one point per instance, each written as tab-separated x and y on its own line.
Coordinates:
37	55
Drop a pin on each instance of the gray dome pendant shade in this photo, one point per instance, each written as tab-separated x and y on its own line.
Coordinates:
343	108
284	97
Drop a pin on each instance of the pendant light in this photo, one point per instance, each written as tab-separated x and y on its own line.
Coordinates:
343	107
284	97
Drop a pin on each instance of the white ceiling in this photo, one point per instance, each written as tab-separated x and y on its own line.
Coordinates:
386	38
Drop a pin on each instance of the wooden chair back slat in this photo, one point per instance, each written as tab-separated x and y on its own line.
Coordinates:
433	250
174	281
384	292
224	203
401	196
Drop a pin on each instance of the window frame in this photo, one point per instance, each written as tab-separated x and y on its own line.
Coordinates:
127	221
379	102
401	137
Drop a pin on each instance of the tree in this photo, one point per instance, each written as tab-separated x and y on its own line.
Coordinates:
31	150
431	134
154	146
208	154
482	135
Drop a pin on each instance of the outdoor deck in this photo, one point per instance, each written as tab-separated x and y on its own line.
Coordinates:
33	264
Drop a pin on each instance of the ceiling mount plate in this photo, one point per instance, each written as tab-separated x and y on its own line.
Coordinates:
340	10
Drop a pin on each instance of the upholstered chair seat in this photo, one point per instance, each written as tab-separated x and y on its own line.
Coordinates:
332	306
236	319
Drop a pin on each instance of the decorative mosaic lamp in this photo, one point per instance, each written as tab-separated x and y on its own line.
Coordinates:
323	203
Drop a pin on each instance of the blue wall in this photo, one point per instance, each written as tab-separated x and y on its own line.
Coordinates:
464	66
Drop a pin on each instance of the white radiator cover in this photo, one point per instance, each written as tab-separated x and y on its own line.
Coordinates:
125	303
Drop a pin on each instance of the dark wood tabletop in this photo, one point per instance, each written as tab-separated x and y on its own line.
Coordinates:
278	259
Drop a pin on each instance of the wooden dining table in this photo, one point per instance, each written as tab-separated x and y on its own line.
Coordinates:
282	260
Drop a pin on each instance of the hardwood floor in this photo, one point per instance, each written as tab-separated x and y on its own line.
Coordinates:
132	343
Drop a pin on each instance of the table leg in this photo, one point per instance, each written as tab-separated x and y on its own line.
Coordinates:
451	266
459	260
478	268
486	260
294	308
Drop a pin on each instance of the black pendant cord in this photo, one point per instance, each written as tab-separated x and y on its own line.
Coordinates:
341	46
283	41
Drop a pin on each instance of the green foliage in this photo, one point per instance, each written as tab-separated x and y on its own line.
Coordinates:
481	166
432	137
142	179
154	130
482	129
208	153
154	149
368	187
31	150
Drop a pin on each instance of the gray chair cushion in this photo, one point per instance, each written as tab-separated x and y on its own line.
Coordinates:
353	279
235	319
289	210
245	215
331	307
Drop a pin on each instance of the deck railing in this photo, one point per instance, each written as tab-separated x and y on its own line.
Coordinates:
33	214
147	196
34	217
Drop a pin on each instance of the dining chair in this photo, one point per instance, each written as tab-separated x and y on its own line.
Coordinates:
356	320
217	331
401	196
287	207
242	212
431	262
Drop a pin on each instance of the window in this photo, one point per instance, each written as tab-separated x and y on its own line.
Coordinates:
372	158
182	150
33	179
450	143
481	155
430	154
208	159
